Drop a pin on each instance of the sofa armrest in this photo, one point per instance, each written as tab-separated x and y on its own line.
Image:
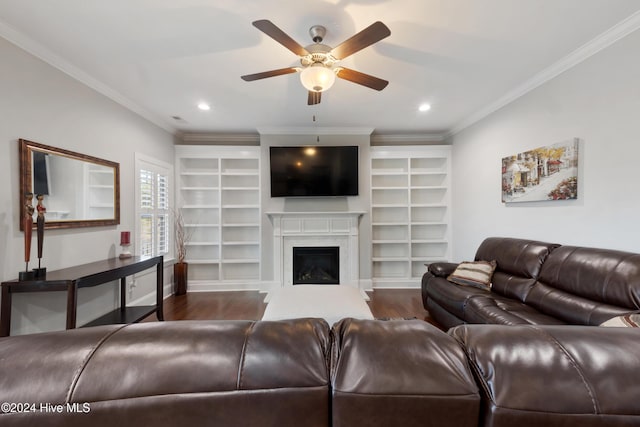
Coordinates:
442	269
554	375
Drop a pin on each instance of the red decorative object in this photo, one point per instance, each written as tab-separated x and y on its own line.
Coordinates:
125	238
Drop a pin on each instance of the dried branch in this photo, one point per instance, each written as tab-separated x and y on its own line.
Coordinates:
182	236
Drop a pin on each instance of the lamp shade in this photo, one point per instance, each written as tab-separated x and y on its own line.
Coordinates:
317	77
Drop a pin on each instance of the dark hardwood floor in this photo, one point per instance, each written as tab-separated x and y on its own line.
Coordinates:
249	305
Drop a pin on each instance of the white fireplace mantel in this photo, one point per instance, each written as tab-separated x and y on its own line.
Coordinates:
313	229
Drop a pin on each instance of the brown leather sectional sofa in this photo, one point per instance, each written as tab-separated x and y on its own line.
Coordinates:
375	373
533	340
538	283
239	373
299	373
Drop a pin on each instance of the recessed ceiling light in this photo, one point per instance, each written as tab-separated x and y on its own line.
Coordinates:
204	106
424	107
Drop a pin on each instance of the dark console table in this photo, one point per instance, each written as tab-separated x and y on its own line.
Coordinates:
88	275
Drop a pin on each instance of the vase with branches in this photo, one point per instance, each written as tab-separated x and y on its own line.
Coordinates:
181	238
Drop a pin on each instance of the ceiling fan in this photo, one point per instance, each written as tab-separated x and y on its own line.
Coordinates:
318	61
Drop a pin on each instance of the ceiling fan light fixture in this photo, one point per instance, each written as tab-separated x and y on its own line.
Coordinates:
317	77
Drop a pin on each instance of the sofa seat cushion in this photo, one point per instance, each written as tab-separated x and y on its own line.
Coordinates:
555	375
571	307
400	373
495	309
451	296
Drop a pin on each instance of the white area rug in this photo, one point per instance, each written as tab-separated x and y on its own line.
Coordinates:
329	302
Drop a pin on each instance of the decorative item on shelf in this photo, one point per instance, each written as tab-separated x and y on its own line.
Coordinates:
180	268
27	223
40	272
125	243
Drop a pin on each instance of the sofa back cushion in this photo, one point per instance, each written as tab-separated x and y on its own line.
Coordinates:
587	285
220	373
518	263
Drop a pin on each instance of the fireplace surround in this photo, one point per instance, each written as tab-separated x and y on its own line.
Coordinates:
316	230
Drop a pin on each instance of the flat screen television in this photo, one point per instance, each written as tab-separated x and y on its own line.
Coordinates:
314	171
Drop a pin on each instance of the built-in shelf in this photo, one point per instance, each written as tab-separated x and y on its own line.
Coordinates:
410	212
98	192
219	195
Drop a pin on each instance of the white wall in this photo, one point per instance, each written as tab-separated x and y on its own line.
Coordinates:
597	101
42	104
352	203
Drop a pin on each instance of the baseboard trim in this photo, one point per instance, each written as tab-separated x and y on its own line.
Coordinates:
224	286
150	298
365	285
396	284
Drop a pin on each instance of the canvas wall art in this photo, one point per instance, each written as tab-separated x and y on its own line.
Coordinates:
545	173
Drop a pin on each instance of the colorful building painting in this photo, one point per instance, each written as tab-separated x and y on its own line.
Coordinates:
544	173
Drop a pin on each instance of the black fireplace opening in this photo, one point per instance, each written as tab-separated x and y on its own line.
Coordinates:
316	265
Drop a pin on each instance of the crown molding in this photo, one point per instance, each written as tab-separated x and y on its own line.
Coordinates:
29	45
254	139
219	138
377	139
601	42
314	131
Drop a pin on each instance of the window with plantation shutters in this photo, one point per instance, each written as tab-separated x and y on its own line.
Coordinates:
153	195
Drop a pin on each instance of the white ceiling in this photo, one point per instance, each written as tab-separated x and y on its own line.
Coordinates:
464	57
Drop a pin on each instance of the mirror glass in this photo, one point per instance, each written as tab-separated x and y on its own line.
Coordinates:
79	190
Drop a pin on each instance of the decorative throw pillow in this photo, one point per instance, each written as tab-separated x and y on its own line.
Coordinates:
627	320
477	274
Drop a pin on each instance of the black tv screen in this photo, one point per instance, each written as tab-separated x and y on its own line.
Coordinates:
314	171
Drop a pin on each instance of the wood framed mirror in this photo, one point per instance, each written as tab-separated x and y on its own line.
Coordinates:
79	190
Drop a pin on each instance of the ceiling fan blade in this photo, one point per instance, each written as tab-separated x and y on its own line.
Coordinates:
370	35
270	29
265	74
361	78
314	98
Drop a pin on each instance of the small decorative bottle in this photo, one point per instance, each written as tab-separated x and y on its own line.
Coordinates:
125	243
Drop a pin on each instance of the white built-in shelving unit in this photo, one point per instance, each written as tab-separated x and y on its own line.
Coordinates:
410	212
99	191
218	193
